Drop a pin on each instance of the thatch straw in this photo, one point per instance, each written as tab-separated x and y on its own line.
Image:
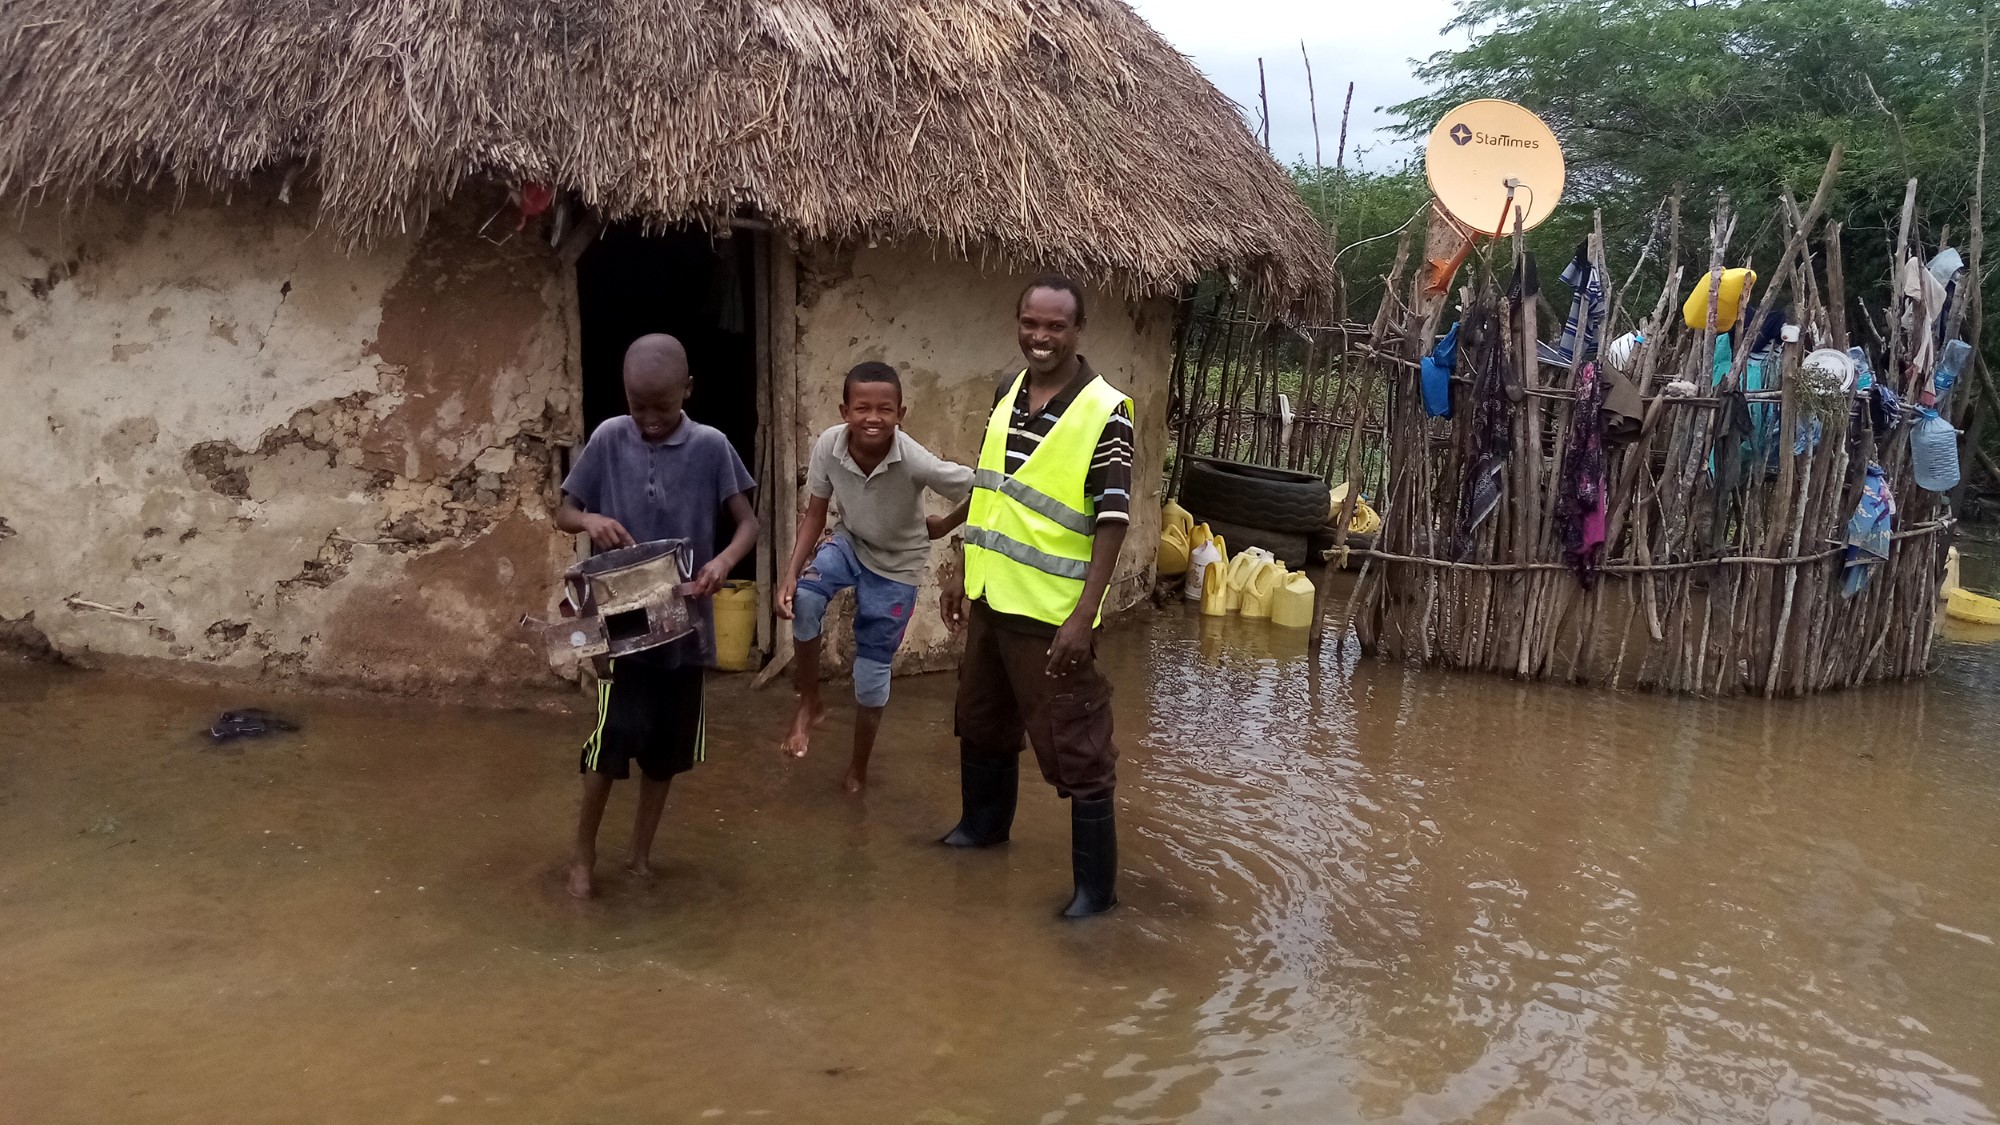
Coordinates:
1060	132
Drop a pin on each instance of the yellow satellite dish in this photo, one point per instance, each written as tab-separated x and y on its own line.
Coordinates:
1480	151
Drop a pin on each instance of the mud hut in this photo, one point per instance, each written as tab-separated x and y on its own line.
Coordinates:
306	304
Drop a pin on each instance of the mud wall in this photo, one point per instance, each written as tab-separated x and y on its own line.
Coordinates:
948	327
231	444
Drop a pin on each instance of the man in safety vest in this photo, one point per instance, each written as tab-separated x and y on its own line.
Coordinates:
1049	509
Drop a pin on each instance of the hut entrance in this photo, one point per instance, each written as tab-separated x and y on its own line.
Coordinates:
698	288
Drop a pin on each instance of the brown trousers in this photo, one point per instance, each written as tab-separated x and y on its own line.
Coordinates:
1005	691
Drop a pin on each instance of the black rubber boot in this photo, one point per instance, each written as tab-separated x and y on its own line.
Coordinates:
988	787
1093	854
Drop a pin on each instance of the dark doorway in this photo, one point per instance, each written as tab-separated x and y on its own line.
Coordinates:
695	287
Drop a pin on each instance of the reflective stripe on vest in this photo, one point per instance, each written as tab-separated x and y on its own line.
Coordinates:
1080	522
1028	536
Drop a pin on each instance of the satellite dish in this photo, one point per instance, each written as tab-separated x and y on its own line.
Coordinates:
1478	150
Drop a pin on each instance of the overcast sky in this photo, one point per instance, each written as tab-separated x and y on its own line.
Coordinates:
1368	42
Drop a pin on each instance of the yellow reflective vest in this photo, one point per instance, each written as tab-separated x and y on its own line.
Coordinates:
1028	536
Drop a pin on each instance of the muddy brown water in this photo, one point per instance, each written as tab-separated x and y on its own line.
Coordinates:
1352	891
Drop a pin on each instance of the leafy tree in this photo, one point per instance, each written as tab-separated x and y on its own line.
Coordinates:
1741	96
1745	97
1367	209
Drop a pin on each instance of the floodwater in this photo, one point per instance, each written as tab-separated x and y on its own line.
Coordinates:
1351	892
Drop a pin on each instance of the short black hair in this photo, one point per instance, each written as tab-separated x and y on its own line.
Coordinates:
872	372
1060	283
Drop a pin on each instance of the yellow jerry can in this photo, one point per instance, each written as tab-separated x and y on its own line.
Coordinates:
1292	602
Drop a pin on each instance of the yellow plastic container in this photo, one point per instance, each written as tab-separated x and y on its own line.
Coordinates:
1214	590
1964	605
1364	520
1292	602
1171	560
1177	540
1736	285
1258	590
1241	568
735	625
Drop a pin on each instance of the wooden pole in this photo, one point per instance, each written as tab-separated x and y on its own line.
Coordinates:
1793	246
1264	100
1836	288
786	423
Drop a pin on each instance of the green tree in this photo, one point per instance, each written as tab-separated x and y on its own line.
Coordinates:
1365	208
1745	97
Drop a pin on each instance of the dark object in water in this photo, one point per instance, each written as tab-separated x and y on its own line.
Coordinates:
247	723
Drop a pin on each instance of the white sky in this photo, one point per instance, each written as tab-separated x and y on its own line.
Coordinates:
1368	42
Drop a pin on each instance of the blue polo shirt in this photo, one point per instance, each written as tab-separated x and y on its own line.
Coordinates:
670	489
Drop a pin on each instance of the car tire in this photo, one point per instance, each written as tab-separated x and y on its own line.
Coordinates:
1286	546
1255	496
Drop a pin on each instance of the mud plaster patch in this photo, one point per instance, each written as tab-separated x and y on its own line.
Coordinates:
41	287
823	266
454	608
328	567
22	637
227	632
209	461
463	310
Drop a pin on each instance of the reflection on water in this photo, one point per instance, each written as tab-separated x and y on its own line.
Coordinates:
1352	891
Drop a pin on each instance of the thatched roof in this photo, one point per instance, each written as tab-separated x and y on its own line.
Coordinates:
1057	132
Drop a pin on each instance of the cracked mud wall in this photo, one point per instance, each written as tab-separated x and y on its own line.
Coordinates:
948	327
231	445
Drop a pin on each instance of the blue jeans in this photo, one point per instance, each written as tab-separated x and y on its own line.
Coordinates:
882	608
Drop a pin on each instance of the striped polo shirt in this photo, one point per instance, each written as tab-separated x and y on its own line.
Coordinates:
1109	482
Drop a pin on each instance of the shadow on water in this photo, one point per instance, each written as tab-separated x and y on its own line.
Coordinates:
1352	890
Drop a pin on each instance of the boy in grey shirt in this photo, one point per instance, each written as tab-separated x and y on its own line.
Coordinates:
878	473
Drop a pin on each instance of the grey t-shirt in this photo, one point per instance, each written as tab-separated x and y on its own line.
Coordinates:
673	489
882	513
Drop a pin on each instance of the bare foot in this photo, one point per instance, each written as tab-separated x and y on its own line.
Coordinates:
854	782
579	880
804	718
641	868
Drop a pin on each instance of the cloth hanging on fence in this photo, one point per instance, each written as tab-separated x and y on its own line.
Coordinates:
1868	532
1885	409
1492	430
1580	515
1735	436
1436	375
1923	297
1719	366
1587	299
1770	334
1864	375
1624	410
1525	283
1524	290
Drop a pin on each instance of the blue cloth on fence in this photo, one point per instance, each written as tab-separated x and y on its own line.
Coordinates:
1437	368
1587	301
1864	375
1868	531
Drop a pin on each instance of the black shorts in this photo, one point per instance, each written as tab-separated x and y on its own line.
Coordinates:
649	714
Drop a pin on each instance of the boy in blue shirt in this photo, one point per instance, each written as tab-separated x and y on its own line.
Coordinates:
653	473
